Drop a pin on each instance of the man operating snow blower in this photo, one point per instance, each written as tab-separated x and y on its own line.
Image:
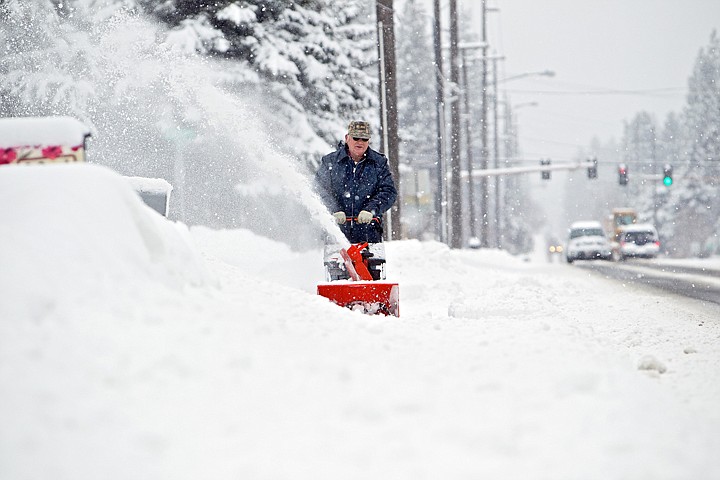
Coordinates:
355	184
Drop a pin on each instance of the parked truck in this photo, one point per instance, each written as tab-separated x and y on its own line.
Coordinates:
613	224
619	217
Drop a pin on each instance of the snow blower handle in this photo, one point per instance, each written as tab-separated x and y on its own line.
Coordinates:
354	219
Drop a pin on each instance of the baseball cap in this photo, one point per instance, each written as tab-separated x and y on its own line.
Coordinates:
359	129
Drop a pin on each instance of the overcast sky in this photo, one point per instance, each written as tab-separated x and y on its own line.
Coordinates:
644	50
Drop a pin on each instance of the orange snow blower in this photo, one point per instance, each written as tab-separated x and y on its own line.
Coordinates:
355	281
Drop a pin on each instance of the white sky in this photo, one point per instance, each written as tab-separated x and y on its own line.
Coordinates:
132	347
639	46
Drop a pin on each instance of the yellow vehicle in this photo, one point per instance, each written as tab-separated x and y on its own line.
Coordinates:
614	224
620	217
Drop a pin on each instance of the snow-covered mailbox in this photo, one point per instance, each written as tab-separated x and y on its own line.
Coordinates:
31	140
155	192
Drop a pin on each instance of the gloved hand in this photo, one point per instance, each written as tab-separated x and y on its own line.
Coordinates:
365	217
340	217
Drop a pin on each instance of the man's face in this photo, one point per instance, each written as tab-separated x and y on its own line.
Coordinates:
356	145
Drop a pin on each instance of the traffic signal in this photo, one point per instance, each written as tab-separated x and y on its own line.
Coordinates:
545	173
592	169
622	174
667	175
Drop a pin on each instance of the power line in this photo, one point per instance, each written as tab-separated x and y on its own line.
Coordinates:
670	91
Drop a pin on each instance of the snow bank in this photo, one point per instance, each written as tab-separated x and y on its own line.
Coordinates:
261	257
79	233
112	368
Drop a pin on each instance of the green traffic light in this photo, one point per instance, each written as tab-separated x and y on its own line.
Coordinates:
667	181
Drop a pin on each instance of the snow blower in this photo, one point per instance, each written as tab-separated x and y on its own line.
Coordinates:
355	279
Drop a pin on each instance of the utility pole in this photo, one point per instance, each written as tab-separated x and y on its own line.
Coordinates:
455	190
468	145
441	196
388	102
496	158
484	132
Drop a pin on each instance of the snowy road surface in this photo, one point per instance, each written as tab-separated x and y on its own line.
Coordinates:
134	348
701	283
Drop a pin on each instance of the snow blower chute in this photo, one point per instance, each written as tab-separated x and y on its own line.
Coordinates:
355	280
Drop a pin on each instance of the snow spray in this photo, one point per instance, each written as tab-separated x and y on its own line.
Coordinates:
230	111
154	103
228	114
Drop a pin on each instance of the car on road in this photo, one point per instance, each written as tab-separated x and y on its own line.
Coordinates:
554	248
587	241
638	240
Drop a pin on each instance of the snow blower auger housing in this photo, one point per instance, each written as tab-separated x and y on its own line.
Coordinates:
356	280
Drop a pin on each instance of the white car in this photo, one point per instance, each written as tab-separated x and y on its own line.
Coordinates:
587	241
638	240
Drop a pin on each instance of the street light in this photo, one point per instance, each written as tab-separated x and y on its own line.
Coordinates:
544	73
523	104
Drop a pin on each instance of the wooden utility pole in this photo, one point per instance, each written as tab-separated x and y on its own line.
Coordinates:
484	243
388	104
468	144
455	188
441	195
499	182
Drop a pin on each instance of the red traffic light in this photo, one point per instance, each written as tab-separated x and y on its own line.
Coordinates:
622	174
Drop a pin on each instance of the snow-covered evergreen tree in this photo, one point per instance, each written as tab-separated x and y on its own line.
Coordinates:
314	57
672	145
195	117
671	150
699	199
640	155
39	44
416	86
703	111
688	217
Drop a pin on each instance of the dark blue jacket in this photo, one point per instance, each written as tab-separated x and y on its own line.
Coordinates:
344	186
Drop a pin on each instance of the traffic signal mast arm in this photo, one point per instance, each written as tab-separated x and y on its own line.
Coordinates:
490	172
666	177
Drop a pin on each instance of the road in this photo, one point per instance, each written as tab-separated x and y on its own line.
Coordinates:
691	281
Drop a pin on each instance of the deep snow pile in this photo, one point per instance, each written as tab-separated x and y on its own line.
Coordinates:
78	233
132	349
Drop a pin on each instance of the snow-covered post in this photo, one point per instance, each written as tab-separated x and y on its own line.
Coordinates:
182	137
